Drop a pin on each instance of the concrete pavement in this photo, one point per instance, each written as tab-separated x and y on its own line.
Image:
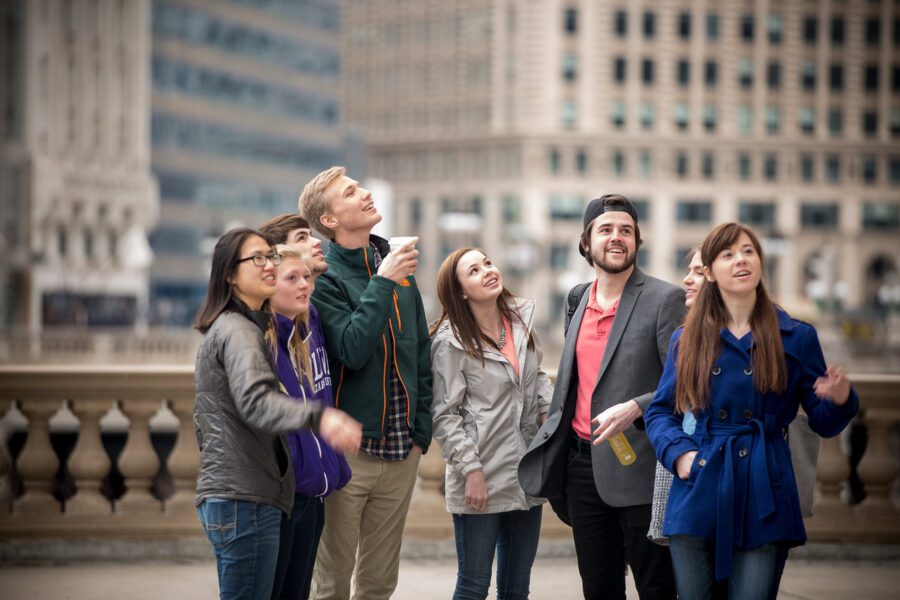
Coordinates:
552	579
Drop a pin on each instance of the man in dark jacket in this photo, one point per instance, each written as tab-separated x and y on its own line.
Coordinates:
589	458
377	336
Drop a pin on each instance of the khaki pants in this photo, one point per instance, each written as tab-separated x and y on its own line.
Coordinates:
364	528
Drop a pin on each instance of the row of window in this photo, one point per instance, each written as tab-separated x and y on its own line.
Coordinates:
196	27
746	74
746	27
810	168
223	194
169	131
229	88
321	14
773	118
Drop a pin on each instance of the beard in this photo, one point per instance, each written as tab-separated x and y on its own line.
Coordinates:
613	269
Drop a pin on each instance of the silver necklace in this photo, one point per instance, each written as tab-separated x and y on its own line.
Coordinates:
502	341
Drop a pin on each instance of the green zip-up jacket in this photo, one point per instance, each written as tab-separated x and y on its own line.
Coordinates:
370	325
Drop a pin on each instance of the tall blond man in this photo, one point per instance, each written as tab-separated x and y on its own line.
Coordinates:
377	336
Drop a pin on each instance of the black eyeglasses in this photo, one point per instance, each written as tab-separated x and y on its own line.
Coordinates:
260	260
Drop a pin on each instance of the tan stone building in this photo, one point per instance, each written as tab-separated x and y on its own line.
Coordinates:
76	191
497	121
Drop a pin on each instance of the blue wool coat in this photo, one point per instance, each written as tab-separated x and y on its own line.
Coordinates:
741	491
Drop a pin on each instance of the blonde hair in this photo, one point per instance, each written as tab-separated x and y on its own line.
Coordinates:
299	347
313	203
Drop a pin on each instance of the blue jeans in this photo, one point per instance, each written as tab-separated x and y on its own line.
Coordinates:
300	535
755	573
514	534
244	537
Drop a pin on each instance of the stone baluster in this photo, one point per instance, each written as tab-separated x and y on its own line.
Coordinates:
5	491
833	470
138	463
37	464
878	467
89	462
184	460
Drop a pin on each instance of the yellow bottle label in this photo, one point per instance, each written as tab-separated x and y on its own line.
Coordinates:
623	450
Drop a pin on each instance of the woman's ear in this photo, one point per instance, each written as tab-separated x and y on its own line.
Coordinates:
708	274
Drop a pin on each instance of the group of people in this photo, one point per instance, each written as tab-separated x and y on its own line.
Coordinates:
320	384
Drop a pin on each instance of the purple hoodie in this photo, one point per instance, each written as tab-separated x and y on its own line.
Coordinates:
319	470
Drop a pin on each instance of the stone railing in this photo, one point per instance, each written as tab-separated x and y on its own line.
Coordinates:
40	497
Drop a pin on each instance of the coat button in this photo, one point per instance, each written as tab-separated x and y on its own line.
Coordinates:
546	435
743	452
701	462
716	370
748	371
747	414
723	414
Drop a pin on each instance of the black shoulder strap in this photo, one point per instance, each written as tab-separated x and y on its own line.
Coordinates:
574	298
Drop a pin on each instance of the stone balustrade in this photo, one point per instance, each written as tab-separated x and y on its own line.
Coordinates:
32	505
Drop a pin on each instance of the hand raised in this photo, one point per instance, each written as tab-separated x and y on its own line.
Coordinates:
400	263
833	386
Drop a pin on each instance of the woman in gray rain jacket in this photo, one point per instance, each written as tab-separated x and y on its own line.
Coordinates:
490	397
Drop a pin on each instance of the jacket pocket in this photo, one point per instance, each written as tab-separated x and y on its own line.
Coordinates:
219	520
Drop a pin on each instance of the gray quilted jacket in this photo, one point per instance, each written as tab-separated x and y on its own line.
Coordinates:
239	415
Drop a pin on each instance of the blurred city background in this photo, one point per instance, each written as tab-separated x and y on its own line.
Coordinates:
135	132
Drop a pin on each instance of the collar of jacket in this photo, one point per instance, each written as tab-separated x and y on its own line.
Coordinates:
260	318
285	328
362	259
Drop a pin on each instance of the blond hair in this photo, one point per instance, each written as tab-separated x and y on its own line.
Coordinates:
299	346
313	203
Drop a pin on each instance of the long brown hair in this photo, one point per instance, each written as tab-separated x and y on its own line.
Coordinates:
455	309
700	343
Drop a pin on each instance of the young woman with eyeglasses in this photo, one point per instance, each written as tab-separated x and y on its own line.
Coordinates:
245	481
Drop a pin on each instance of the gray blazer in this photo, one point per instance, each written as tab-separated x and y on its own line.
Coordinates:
649	311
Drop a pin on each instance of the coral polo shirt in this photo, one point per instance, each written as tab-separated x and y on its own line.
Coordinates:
589	349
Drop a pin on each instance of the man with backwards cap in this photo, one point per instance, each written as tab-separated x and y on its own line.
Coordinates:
617	337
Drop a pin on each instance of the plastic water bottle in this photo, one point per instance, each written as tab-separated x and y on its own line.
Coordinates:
622	449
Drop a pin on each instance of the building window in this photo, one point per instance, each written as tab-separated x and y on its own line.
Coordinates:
894	169
642	208
681	165
708	165
684	73
554	161
757	214
745	73
895	78
619	69
415	214
770	167
806	120
570	66
684	25
570	21
836	77
559	256
808	76
618	114
710	73
710	118
648	115
746	28
682	116
810	30
773	75
649	25
645	164
744	119
838	33
568	113
620	23
835	121
693	211
745	166
581	161
647	71
869	169
895	122
775	28
512	210
819	215
833	168
566	207
870	78
873	33
773	119
880	216
619	162
712	26
870	123
807	167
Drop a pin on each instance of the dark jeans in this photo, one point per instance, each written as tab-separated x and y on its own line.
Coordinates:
608	537
244	537
300	535
515	536
755	573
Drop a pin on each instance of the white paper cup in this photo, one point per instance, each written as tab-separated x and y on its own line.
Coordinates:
401	240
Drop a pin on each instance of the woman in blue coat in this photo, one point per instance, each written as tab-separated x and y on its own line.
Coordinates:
742	366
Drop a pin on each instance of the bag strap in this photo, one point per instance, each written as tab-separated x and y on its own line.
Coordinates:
573	300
